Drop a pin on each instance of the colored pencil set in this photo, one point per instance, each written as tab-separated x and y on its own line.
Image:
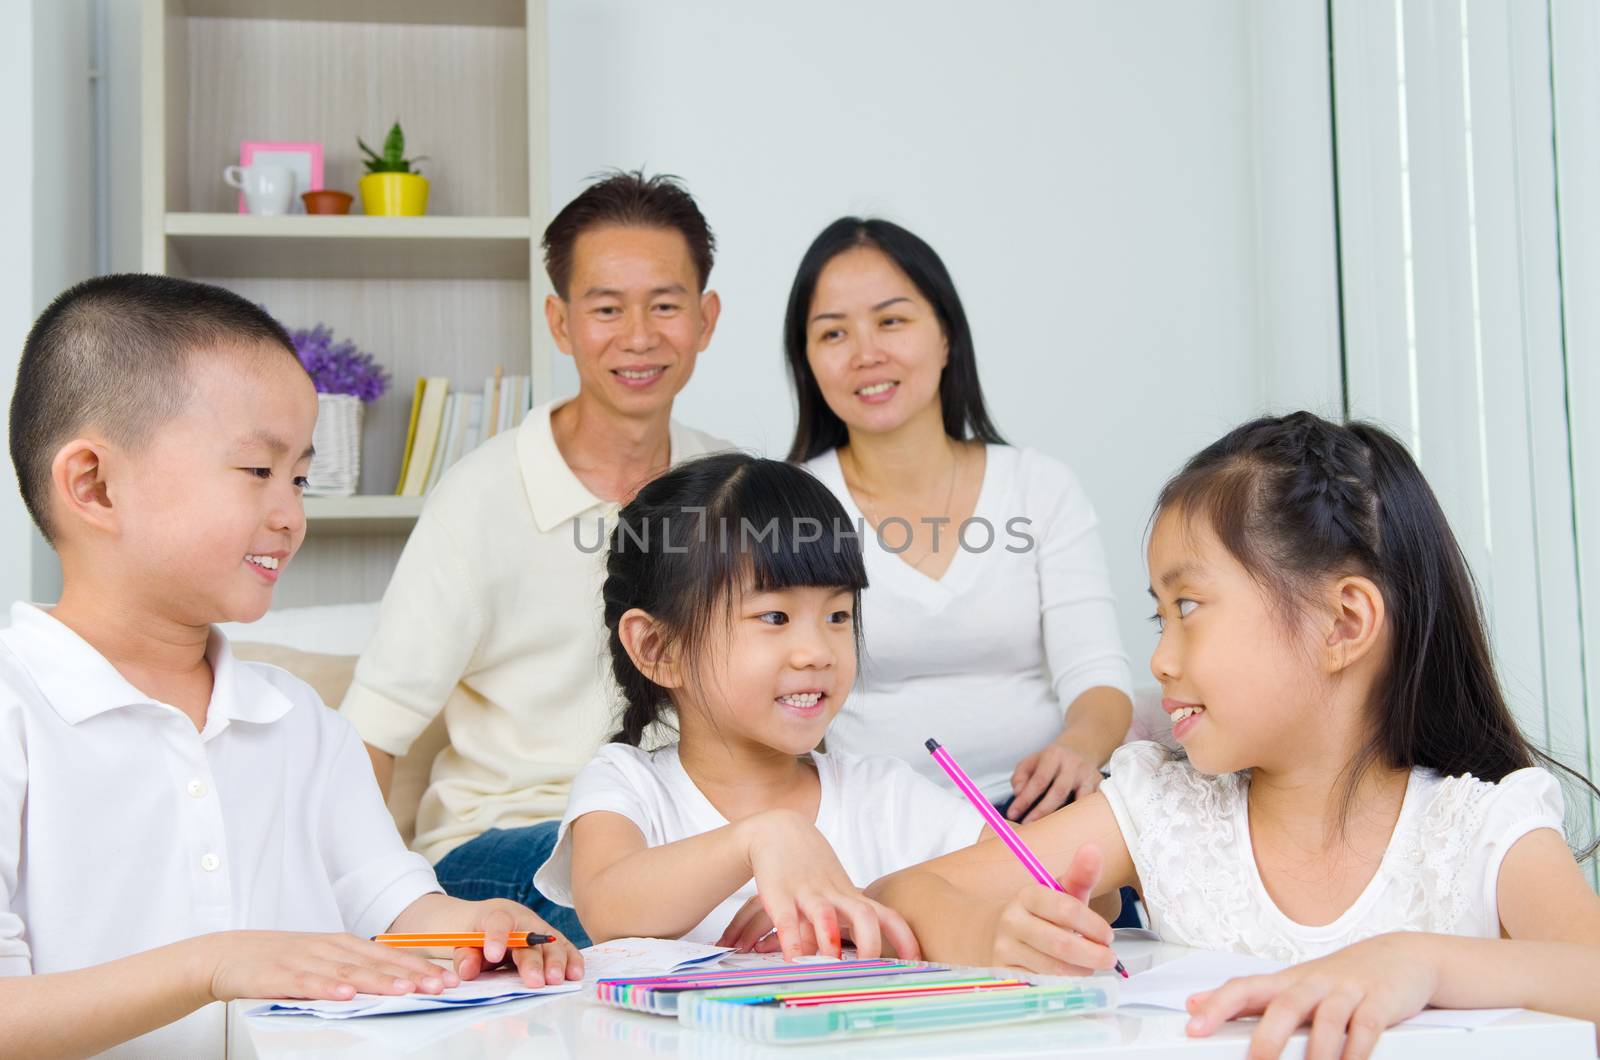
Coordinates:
659	994
810	1002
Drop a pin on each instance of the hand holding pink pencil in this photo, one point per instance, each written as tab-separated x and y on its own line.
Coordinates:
1001	826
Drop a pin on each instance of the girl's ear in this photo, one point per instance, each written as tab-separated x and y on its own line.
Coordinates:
650	651
80	485
1358	622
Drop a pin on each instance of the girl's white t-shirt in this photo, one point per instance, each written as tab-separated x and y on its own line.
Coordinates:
987	658
1189	835
877	813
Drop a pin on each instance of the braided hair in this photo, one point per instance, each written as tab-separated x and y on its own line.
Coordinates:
693	540
1297	499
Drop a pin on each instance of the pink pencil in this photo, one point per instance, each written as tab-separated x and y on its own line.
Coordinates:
1001	826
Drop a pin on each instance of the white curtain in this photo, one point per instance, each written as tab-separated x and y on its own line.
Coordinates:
1467	139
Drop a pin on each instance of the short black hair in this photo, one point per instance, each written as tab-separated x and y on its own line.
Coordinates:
628	199
817	429
113	352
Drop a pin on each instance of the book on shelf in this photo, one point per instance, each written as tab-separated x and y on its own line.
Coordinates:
411	434
441	455
506	401
491	405
446	426
427	415
463	415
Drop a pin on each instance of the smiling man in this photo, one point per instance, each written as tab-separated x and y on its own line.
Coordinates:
494	614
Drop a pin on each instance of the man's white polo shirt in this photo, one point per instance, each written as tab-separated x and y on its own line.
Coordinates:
494	617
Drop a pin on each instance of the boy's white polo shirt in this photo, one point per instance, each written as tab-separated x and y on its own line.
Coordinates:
122	828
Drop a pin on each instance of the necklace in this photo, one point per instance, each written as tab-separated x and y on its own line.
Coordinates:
871	510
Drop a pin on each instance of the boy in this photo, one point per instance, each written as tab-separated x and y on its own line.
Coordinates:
159	799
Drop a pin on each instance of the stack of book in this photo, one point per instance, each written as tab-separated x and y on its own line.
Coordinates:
446	426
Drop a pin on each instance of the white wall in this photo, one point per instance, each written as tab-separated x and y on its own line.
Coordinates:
45	220
1134	199
63	216
125	230
16	275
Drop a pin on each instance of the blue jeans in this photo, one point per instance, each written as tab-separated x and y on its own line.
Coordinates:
500	863
1129	917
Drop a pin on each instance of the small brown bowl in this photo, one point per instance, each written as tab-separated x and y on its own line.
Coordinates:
326	201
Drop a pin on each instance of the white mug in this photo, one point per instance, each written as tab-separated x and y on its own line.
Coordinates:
267	189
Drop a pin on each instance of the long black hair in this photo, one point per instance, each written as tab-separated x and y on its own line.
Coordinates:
1296	499
817	429
693	540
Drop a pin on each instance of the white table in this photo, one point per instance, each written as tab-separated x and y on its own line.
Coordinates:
573	1026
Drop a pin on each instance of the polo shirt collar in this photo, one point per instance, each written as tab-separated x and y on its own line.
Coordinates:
79	683
554	493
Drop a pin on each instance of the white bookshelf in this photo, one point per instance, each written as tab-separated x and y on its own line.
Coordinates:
449	12
455	293
460	248
362	514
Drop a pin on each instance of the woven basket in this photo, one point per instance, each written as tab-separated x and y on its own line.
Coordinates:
336	467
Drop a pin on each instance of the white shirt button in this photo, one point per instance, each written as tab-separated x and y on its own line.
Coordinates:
197	789
210	862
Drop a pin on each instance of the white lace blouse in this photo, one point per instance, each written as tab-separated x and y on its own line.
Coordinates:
1189	835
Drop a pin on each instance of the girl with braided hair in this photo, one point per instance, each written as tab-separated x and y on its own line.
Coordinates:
1354	798
731	598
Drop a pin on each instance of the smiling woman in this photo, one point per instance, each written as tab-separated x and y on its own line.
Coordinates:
993	626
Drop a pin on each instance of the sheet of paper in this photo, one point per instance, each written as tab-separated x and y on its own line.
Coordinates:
491	988
628	958
1470	1018
1169	985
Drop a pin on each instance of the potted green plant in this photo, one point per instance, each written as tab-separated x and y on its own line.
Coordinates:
391	187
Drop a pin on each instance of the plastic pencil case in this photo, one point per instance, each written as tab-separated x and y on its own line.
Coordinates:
661	994
746	1014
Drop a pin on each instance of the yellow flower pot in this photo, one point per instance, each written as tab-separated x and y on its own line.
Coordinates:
394	194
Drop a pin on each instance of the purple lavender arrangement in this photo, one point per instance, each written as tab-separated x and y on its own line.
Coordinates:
338	367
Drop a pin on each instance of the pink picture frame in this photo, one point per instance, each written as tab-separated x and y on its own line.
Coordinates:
304	158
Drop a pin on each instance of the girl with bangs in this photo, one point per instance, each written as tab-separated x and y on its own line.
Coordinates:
731	598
